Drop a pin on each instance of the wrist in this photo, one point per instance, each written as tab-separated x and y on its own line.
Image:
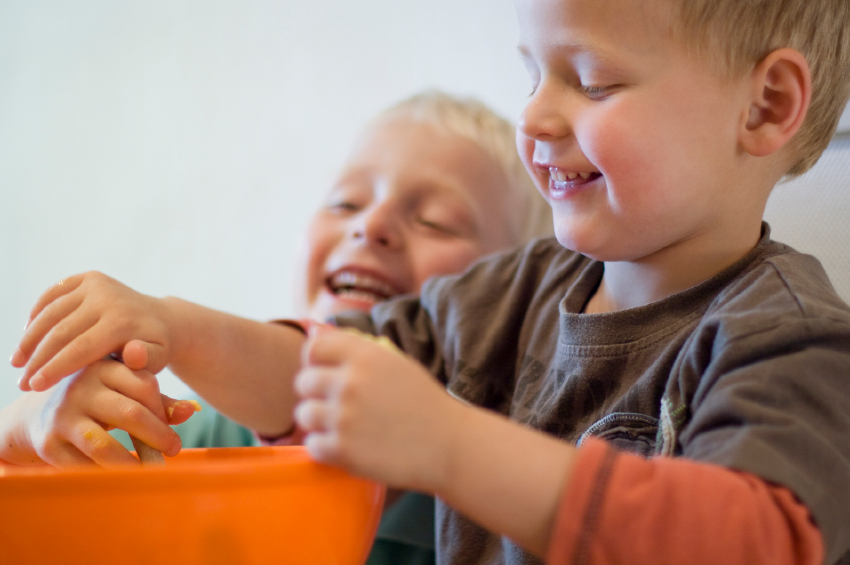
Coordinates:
449	445
177	321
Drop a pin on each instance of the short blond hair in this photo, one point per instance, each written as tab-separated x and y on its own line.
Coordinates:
734	35
496	136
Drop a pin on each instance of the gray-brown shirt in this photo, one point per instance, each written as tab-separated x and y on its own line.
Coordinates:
749	369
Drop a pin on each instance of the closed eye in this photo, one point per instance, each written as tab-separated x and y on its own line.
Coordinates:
342	206
436	226
598	92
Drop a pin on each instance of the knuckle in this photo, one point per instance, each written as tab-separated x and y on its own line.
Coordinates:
60	333
348	390
49	311
148	381
131	413
78	348
96	447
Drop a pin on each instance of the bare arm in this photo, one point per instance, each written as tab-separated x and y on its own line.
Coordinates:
378	413
242	367
245	368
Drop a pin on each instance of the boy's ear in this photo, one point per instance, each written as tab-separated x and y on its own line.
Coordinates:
780	95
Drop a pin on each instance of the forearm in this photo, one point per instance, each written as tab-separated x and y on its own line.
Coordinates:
564	503
242	367
504	476
620	507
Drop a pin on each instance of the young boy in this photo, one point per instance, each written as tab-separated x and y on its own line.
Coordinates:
666	322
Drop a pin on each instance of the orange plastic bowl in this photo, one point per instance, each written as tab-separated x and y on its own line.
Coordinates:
234	506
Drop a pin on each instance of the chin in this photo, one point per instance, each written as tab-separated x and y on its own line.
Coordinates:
330	305
587	246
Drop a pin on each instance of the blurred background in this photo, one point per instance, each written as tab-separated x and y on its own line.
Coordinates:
180	145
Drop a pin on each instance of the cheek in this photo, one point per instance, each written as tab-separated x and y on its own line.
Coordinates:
634	164
315	248
443	259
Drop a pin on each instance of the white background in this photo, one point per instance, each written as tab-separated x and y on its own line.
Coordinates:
179	146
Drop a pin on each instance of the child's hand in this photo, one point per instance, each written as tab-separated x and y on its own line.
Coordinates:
85	318
373	410
68	424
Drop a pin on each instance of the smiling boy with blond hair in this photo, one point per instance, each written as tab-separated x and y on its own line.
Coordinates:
664	321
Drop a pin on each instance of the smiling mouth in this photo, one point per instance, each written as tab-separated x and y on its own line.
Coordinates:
354	285
565	179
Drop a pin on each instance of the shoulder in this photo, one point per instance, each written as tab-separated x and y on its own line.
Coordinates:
522	269
781	291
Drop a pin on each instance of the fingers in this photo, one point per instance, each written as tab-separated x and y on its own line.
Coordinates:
178	411
317	382
129	400
61	347
138	354
61	288
313	416
65	454
322	440
141	386
88	445
118	411
49	317
53	362
52	307
327	345
80	321
324	448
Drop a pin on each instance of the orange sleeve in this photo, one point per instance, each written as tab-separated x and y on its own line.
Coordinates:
622	508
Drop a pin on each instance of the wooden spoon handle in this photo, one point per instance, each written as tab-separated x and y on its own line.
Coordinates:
147	454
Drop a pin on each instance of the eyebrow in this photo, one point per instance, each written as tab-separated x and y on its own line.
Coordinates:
602	56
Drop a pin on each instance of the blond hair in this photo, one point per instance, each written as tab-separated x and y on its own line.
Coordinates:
734	35
473	120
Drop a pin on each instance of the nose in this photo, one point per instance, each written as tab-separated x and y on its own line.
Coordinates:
547	113
377	225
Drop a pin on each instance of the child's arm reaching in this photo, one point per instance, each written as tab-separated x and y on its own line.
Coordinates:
68	424
244	368
380	414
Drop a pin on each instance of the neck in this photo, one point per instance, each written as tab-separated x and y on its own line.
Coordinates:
630	284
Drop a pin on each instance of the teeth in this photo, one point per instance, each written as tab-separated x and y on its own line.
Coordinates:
358	285
560	176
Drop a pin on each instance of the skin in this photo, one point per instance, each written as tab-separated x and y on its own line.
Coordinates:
412	201
677	167
628	106
407	431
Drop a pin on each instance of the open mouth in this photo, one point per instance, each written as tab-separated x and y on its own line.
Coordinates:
566	179
355	285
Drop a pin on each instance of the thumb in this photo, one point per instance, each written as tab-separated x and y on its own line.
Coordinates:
314	334
138	355
178	411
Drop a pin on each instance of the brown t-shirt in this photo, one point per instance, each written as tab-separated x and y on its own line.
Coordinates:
749	369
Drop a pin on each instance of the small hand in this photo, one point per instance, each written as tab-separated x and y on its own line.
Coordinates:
372	410
68	424
85	318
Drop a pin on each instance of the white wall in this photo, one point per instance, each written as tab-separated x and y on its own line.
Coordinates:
180	145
